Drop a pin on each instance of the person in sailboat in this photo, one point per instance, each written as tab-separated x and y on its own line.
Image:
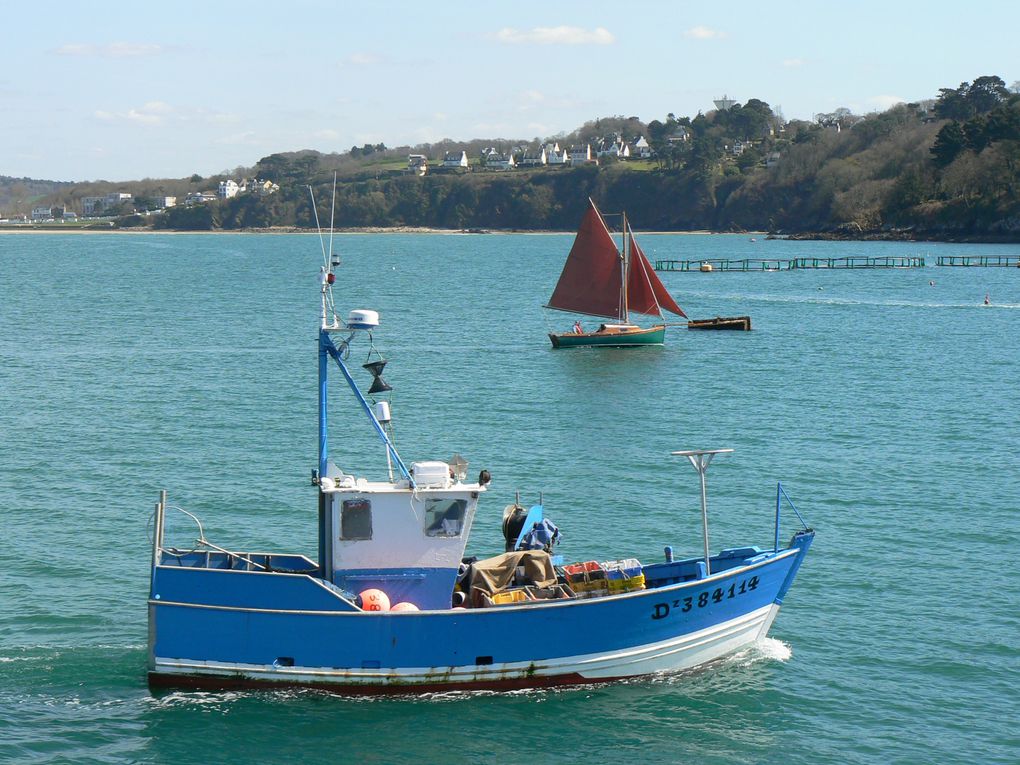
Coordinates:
578	329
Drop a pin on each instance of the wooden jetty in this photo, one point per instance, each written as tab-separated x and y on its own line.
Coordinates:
987	261
791	264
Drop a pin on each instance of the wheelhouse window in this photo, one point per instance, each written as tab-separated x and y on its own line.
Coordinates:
444	517
356	519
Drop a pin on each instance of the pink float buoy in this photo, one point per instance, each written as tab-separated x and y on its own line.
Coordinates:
373	600
404	606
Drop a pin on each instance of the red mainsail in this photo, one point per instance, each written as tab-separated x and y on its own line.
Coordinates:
592	277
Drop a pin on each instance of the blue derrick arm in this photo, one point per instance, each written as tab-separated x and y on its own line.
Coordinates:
326	346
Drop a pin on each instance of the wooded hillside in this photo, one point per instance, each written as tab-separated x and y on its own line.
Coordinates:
944	168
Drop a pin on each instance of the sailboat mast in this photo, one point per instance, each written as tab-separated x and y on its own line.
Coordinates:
625	316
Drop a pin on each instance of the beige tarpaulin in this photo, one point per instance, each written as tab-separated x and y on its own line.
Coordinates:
495	574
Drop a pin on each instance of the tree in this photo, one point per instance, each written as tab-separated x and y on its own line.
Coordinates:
953	104
986	93
1004	123
979	97
975	129
949	143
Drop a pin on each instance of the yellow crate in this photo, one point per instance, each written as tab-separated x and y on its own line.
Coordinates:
509	597
590	589
628	584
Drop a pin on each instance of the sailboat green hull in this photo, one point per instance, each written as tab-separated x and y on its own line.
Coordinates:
623	339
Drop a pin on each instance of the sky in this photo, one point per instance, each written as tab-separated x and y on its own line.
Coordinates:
163	90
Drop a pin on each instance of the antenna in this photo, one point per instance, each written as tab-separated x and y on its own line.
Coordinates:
322	244
332	211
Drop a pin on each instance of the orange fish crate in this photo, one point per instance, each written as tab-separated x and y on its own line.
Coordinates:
587	579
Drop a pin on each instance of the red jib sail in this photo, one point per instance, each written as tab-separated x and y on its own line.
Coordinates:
645	291
591	280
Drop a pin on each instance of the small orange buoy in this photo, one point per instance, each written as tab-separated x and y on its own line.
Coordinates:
374	600
404	606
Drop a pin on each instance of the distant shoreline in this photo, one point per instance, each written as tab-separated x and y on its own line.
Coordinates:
359	230
818	236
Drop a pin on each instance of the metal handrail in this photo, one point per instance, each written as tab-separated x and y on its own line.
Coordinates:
157	542
780	493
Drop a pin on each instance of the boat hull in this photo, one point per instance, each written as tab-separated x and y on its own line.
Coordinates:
668	628
624	339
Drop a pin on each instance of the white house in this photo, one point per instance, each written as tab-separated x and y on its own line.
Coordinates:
455	159
641	149
417	164
114	199
554	155
199	197
679	135
534	159
228	189
42	213
255	186
500	162
738	148
166	202
614	148
581	154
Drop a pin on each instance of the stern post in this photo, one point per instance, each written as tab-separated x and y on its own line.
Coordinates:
157	536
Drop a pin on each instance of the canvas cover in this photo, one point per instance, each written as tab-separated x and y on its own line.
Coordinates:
495	574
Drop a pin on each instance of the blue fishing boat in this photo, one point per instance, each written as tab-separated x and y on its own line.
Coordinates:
393	605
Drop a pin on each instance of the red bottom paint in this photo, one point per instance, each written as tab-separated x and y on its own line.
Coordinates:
212	683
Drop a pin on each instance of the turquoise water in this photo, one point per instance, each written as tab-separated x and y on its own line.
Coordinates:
889	407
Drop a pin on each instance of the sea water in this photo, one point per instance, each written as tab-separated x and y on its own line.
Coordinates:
887	401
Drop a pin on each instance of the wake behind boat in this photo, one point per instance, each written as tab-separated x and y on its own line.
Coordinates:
611	282
392	605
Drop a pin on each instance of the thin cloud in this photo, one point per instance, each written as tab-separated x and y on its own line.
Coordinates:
704	33
555	36
362	59
247	138
156	113
530	99
793	63
151	113
886	102
111	50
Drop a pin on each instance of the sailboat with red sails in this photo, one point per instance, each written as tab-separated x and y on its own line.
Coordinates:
611	282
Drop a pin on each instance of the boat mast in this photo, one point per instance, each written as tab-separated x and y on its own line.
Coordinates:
625	315
324	378
330	323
